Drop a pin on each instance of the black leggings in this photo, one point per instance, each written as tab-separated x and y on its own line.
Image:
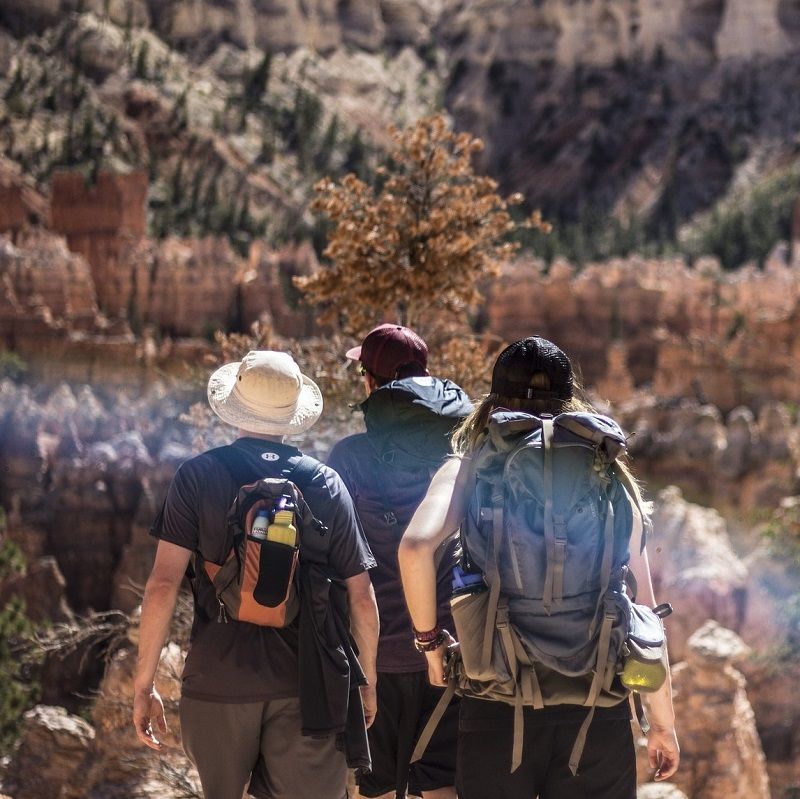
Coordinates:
486	735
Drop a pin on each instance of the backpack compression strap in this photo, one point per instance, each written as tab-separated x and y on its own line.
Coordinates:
611	449
549	526
553	588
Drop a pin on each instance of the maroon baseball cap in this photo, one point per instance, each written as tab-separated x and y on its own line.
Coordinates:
389	347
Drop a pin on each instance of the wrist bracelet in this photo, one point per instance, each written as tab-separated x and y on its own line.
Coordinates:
430	646
428	635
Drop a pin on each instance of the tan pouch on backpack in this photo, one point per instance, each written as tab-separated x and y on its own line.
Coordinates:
470	612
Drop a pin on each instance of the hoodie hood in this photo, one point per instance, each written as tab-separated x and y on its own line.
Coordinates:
409	421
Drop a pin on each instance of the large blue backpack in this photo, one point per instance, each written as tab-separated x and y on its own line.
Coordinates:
548	526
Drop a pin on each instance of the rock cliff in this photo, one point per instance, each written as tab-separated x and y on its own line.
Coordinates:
729	339
650	110
721	755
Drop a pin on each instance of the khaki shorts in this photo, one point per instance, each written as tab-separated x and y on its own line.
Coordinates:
259	743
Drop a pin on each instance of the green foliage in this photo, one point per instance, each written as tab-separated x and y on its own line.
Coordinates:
322	158
595	237
12	366
357	158
15	93
18	690
202	207
783	536
303	126
747	230
142	68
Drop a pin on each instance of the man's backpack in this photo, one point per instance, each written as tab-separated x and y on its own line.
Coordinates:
257	582
548	525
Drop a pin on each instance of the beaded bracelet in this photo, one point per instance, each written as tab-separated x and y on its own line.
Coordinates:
428	635
429	640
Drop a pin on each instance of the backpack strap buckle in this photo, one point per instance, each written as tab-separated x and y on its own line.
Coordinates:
502	615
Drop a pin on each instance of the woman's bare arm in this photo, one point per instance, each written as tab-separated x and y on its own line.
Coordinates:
437	517
662	741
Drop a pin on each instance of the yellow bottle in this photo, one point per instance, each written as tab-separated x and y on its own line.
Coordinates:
282	529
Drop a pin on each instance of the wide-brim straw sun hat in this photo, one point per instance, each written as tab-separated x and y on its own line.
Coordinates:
265	393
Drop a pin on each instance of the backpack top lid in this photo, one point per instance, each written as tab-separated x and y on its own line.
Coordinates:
574	428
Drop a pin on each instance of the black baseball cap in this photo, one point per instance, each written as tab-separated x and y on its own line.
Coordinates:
517	363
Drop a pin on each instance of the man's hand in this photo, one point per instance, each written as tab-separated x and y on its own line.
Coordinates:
147	707
369	701
663	751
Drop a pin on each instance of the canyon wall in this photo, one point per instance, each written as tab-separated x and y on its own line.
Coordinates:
725	338
107	297
595	32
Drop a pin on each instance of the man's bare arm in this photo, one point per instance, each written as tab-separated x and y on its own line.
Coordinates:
365	625
158	606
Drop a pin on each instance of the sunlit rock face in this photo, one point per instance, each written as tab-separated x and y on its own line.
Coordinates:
43	287
62	754
724	339
695	569
721	755
54	755
284	25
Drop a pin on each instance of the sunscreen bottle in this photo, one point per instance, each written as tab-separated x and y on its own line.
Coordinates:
282	529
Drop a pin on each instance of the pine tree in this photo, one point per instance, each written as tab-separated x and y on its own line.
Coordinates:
420	244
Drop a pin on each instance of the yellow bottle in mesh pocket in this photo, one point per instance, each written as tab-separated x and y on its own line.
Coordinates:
282	529
638	675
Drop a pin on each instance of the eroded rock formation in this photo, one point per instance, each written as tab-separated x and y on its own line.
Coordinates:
98	221
54	755
21	205
45	291
63	755
728	339
695	569
721	755
58	305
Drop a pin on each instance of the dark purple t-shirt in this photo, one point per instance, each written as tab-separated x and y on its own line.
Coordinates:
385	498
238	661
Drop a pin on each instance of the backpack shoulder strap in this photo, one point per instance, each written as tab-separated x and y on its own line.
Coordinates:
549	525
233	463
300	470
303	471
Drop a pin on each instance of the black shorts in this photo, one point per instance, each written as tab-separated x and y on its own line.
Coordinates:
607	768
405	702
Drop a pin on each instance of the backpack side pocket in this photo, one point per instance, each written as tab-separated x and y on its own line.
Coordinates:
645	662
470	612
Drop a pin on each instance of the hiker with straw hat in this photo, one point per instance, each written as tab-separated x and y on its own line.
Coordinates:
254	716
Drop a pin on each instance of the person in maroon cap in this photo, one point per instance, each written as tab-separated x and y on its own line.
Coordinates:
409	417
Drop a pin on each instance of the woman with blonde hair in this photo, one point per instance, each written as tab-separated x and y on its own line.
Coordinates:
534	378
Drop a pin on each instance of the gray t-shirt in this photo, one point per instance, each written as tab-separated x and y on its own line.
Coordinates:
238	661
